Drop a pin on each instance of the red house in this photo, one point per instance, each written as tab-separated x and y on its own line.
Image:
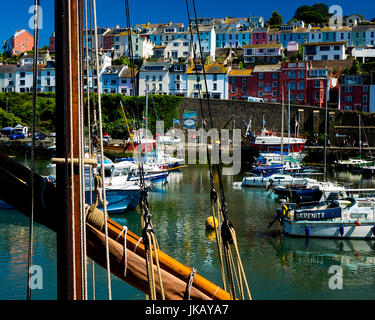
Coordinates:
259	35
241	84
354	92
267	84
294	80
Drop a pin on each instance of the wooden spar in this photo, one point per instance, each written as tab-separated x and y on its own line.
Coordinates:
15	180
69	275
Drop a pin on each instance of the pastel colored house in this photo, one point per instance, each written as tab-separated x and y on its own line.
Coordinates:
324	51
8	78
47	78
110	79
52	45
176	49
178	80
216	78
128	81
154	77
20	42
24	78
262	53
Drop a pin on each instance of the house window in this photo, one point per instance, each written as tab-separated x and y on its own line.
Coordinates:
301	85
275	75
301	74
244	80
214	77
260	84
160	78
214	87
317	95
292	97
365	88
233	80
291	74
364	108
261	76
233	89
274	93
348	98
292	85
336	57
324	57
301	96
243	89
160	87
260	94
197	87
364	98
275	84
147	78
348	89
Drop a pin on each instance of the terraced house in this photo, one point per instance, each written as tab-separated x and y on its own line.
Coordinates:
154	77
216	78
8	78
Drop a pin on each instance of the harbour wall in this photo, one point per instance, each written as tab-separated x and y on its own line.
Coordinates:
342	126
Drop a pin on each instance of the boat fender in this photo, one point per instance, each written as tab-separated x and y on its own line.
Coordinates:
210	223
307	232
341	230
358	223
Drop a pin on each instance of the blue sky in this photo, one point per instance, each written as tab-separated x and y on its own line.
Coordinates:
14	15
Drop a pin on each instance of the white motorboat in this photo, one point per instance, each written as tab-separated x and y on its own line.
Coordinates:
346	218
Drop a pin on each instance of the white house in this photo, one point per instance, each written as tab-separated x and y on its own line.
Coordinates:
47	79
178	80
154	76
178	48
324	51
216	78
142	47
363	53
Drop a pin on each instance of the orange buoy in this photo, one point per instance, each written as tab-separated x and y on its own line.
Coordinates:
358	223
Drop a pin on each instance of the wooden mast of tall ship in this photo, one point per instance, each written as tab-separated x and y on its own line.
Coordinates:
70	243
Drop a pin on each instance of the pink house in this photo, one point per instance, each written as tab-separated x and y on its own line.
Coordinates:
20	42
51	46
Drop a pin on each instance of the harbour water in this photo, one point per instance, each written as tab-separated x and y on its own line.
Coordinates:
277	267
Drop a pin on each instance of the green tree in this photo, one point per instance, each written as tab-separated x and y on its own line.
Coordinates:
276	20
316	14
355	69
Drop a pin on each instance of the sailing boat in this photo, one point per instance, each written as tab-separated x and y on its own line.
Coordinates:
356	164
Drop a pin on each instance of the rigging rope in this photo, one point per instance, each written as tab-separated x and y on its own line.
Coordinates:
228	234
148	234
102	154
35	84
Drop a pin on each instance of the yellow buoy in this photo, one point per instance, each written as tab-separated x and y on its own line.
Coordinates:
210	223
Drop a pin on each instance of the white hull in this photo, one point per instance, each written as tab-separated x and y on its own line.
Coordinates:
330	229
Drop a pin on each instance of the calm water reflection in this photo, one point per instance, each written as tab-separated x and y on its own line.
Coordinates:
276	267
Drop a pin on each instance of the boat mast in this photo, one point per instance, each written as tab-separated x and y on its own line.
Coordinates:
282	130
359	136
289	121
69	244
325	135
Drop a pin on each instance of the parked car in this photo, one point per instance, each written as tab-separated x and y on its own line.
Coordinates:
40	136
255	99
16	136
